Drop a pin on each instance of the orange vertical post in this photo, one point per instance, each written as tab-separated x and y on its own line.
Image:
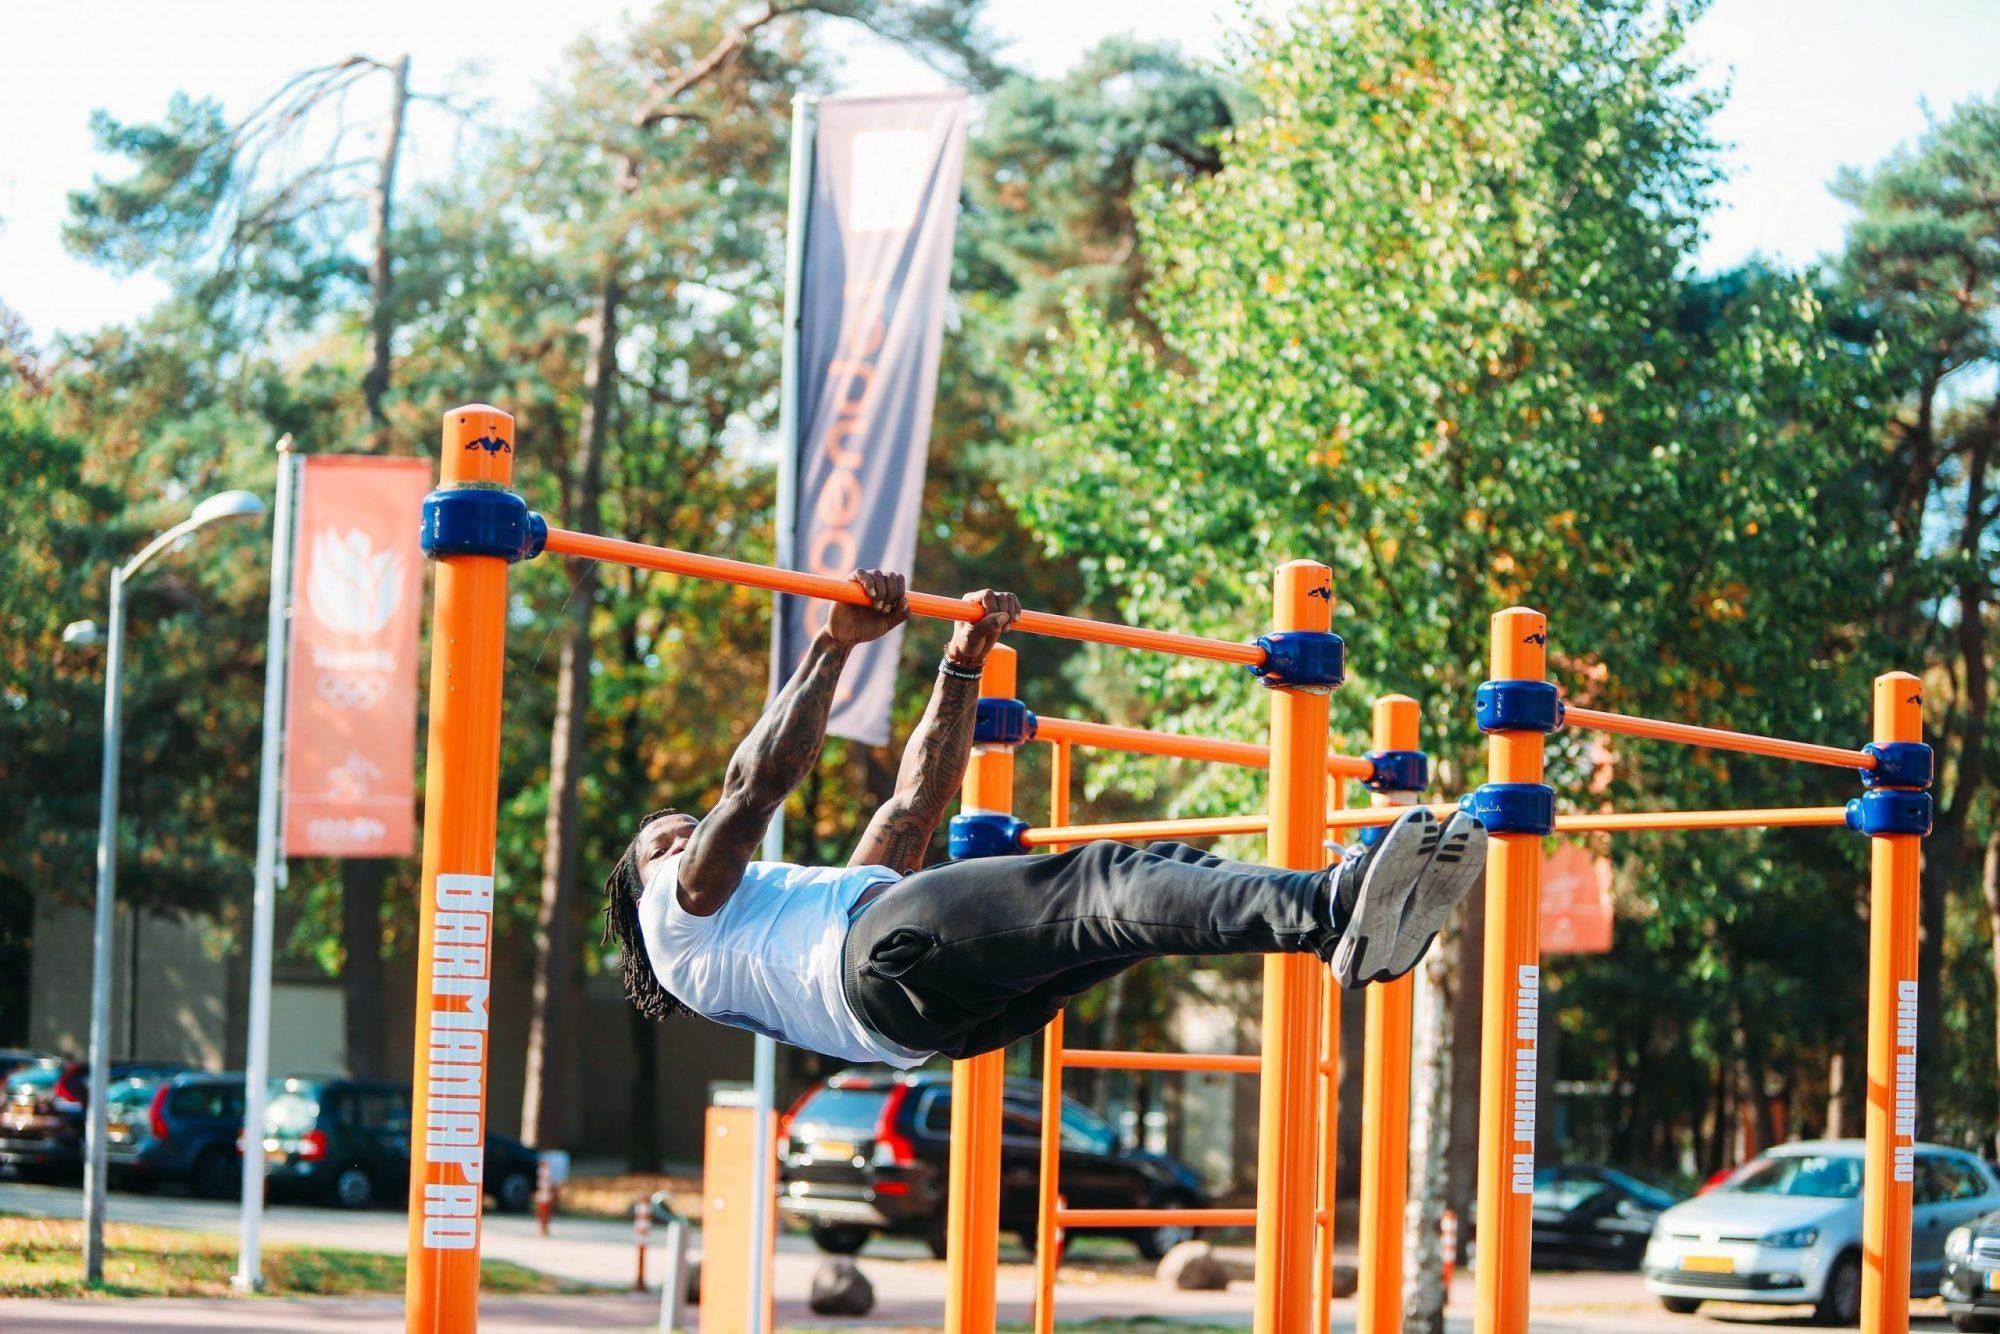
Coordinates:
1048	1254
1512	1003
1328	1208
455	912
1894	863
1302	599
1385	1093
972	1218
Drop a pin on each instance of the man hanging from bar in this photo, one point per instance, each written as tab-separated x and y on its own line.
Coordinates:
884	960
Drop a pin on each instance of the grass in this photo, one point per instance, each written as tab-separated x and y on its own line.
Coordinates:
42	1257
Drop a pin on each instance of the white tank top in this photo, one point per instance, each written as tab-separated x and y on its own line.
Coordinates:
770	960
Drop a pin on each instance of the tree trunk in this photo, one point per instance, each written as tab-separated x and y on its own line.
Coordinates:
1990	882
361	973
1836	1094
1430	1139
551	1024
1468	965
381	272
361	881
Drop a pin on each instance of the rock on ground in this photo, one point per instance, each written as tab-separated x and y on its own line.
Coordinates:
840	1288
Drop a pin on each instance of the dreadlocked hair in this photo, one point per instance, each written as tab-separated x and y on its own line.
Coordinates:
622	889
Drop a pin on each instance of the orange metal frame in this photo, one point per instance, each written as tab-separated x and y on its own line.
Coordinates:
1293	1217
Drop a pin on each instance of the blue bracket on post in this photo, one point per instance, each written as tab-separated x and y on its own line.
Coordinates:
1002	722
1513	808
985	834
1314	661
1890	810
1398	771
481	521
1899	764
1518	706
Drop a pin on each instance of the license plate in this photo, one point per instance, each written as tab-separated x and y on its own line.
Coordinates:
1708	1264
117	1134
1993	1280
274	1155
833	1148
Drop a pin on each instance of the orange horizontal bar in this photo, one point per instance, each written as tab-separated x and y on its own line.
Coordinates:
565	543
1079	1058
1582	823
1607	822
1143	741
1155	1217
1136	829
1716	738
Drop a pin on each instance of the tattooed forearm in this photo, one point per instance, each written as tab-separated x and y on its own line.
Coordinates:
772	761
933	766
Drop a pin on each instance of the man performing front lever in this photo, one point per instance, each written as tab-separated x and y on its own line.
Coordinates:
880	960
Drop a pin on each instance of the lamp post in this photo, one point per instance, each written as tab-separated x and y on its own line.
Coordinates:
226	505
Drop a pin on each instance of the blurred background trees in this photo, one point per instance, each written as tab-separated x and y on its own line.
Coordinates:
1407	288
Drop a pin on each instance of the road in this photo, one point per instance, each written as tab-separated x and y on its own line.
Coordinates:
909	1285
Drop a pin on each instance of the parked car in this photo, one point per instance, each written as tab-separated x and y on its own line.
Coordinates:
41	1113
1786	1229
1971	1282
868	1151
180	1130
13	1058
348	1141
1590	1215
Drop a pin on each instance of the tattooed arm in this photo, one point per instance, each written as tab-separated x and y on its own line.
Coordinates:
934	762
782	748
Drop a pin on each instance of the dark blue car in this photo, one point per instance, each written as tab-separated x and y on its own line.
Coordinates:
180	1130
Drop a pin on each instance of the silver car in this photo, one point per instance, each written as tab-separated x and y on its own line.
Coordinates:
1786	1229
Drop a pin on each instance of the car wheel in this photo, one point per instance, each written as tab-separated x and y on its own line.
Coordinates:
1975	1324
353	1189
1840	1299
1155	1242
515	1193
215	1176
1680	1305
935	1236
840	1238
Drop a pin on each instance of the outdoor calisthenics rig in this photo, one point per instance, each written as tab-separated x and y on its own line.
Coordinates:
474	528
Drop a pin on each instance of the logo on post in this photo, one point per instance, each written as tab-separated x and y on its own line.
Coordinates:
492	444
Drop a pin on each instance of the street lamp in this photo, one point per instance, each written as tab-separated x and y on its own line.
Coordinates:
226	505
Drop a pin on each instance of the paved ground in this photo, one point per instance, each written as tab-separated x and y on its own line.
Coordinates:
909	1285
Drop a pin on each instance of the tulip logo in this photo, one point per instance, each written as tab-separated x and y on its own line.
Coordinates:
353	589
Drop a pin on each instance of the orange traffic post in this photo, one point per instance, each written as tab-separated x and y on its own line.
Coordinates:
1512	996
1385	1092
455	906
1327	1208
1302	600
1048	1254
972	1204
1894	862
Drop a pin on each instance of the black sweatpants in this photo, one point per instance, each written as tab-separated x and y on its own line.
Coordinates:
966	957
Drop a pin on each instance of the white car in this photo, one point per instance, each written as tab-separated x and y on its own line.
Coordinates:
1786	1229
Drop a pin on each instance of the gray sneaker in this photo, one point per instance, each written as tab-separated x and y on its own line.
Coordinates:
1457	866
1371	895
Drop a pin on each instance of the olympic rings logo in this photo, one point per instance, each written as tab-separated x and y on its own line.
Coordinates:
351	692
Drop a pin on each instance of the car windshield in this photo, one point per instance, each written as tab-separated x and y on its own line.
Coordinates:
1649	1193
291	1112
34	1078
128	1095
1818	1175
841	1111
1083	1130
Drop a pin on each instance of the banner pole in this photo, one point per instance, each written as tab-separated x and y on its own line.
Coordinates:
249	1275
764	1059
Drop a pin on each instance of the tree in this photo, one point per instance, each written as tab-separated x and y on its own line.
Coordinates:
254	224
1421	325
664	109
1922	265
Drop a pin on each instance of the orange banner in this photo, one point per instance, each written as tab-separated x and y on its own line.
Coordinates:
357	591
1576	902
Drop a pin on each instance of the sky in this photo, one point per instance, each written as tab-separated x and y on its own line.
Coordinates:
1815	85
